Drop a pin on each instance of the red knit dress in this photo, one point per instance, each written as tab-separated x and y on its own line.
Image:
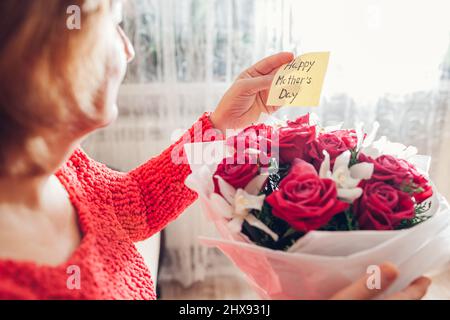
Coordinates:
115	210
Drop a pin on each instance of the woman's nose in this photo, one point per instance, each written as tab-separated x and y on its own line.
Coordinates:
129	50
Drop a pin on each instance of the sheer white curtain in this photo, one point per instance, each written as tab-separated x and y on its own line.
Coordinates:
388	64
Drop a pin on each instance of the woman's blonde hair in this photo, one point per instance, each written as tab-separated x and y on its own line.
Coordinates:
47	73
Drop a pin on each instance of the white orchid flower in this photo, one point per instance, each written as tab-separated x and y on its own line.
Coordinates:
346	179
364	143
384	147
235	205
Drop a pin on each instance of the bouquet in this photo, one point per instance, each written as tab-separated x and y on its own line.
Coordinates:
304	210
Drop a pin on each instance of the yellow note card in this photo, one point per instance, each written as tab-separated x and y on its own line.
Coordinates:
299	82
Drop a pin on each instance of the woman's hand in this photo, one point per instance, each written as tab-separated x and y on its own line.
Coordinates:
359	290
243	103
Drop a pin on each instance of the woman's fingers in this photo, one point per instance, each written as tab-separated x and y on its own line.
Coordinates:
359	289
272	109
261	84
415	291
269	64
251	86
388	272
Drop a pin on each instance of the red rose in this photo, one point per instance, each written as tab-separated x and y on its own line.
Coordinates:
304	200
252	136
348	137
424	195
389	168
382	207
399	172
301	121
260	130
243	141
421	182
237	172
335	143
292	142
257	137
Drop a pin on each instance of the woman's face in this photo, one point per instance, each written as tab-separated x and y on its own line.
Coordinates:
118	52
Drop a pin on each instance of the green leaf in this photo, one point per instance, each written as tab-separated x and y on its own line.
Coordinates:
421	215
353	157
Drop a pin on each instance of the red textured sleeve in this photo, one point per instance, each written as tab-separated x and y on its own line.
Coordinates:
146	199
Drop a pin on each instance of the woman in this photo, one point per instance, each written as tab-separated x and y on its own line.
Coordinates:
68	223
